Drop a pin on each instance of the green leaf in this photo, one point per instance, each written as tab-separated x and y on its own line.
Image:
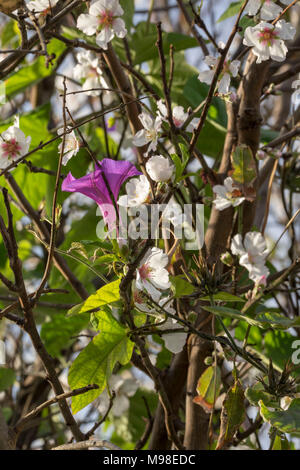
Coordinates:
178	166
243	163
181	287
128	7
232	415
276	320
3	255
113	147
179	163
212	139
224	297
266	135
208	388
75	310
245	23
7	378
183	72
281	443
73	33
257	392
142	44
9	33
196	92
56	334
138	412
185	155
255	336
29	75
231	313
287	421
278	346
105	295
105	259
95	363
232	10
265	319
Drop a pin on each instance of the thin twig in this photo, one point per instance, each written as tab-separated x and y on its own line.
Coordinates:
22	423
93	442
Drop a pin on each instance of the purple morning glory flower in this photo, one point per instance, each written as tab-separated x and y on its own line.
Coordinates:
94	185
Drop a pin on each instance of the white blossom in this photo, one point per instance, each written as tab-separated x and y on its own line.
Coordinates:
230	69
173	342
13	144
124	386
269	10
252	253
103	19
267	40
173	213
138	192
150	133
71	146
143	303
41	7
227	195
286	401
178	114
160	168
152	274
88	68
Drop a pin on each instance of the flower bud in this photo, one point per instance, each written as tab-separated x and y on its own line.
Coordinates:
227	259
208	361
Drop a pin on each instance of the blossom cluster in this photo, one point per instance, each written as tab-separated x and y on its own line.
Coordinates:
152	127
103	20
252	253
267	9
230	69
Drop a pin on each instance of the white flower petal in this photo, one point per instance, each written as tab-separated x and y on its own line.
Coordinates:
270	11
287	31
119	28
224	84
252	7
159	168
173	342
104	37
87	23
237	246
140	139
206	76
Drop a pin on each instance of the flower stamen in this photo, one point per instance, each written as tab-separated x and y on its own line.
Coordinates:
11	148
268	36
106	19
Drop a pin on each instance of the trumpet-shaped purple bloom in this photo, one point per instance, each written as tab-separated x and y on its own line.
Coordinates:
94	185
